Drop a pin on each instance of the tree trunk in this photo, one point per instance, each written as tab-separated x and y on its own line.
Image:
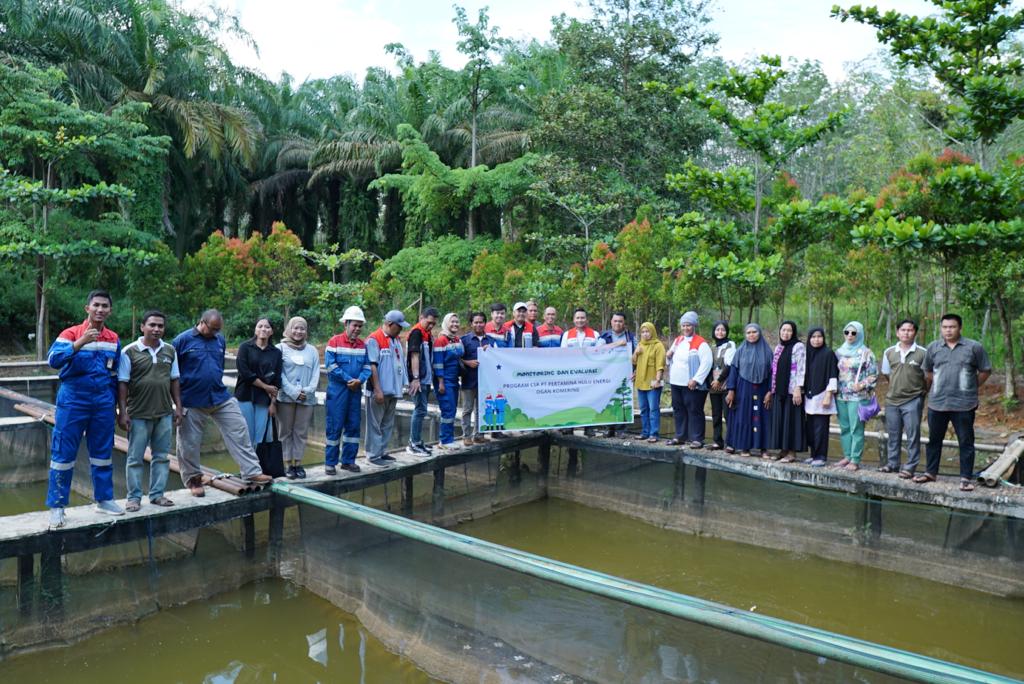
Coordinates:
1010	382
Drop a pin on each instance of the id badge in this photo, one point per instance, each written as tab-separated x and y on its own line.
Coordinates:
110	363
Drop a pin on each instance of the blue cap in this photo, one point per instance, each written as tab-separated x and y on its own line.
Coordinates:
395	316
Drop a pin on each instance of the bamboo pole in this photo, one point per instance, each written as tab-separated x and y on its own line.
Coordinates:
991	476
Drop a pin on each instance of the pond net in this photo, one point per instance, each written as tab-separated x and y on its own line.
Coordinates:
463	608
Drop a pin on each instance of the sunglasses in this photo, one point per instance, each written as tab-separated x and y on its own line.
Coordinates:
850	332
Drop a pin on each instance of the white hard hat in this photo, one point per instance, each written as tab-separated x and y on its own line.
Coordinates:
353	313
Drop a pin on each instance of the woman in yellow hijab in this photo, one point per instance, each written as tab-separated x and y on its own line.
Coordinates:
649	362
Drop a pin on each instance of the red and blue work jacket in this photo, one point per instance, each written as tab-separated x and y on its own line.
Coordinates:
346	360
448	351
88	375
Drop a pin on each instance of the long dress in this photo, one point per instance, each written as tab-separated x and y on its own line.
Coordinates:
788	432
749	421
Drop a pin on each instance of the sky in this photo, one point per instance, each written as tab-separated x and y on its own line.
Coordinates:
321	38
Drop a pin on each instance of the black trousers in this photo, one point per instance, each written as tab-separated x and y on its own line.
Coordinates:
718	417
688	412
817	435
963	426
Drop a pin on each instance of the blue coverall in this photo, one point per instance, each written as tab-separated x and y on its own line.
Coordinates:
85	405
447	355
345	361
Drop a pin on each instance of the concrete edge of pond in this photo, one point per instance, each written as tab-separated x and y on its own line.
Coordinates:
1005	501
86	528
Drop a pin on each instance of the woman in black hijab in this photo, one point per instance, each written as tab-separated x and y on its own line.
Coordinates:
820	385
787	386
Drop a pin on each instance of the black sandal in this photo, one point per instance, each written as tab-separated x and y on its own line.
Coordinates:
886	469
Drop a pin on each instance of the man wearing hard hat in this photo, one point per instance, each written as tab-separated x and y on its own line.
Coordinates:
348	369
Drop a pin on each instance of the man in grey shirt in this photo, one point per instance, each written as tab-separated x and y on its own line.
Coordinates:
956	367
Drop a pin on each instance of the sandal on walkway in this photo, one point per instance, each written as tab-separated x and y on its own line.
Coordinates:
132	506
924	478
886	469
843	463
852	467
906	475
966	485
161	501
787	459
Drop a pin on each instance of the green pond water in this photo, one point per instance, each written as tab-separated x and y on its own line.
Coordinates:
29	497
268	631
975	629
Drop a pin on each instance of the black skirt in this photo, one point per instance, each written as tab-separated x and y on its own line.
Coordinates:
788	431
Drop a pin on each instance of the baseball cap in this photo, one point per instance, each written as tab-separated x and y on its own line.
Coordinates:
518	305
395	316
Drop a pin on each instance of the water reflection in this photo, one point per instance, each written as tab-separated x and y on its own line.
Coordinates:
269	631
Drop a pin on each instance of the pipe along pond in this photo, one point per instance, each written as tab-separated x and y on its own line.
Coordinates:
536	558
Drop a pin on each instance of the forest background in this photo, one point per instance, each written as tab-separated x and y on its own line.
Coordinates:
621	165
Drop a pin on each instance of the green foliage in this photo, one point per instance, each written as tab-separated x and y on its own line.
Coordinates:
439	270
432	192
266	274
771	129
966	47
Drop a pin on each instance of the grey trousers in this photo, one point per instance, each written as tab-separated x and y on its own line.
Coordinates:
470	428
293	421
233	430
380	422
899	419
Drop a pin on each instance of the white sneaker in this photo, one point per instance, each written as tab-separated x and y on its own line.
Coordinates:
57	518
109	507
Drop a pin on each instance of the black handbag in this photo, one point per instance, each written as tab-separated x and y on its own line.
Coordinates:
271	454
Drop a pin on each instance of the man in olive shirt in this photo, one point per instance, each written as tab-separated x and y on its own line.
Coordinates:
956	368
147	397
903	365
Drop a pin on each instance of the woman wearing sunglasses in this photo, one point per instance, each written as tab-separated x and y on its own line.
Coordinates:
858	373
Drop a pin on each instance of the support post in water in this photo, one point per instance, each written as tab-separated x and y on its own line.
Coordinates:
869	520
544	462
26	582
407	494
438	500
276	529
700	478
249	526
874	519
51	577
572	463
679	487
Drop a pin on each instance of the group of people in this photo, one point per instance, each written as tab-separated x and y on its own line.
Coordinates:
777	402
774	402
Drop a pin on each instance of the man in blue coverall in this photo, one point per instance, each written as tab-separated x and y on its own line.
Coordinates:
86	357
348	369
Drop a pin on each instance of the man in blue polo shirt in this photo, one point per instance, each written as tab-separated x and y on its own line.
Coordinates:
472	343
201	364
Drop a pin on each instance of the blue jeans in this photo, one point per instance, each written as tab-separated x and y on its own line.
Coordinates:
256	417
650	412
418	414
156	434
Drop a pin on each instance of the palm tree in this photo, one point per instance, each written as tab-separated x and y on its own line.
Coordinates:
152	51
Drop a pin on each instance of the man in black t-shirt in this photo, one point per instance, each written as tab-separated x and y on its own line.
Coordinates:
420	355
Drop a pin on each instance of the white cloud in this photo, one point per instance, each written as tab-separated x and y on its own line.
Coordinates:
803	30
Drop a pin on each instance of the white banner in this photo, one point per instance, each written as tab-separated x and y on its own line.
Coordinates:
541	389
